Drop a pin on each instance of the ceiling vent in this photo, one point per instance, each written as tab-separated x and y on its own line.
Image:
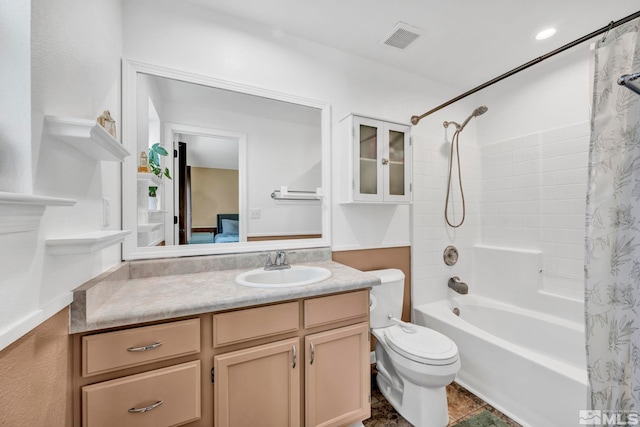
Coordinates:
401	36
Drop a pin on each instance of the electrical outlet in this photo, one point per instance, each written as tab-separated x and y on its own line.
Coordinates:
254	213
106	212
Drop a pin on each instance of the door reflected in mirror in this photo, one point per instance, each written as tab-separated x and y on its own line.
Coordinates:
229	154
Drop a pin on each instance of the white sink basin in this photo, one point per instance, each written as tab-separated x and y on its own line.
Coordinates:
298	275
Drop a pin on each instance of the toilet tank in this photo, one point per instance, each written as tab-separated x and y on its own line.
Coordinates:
386	298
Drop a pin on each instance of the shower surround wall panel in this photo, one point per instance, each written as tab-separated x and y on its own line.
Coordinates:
431	235
533	197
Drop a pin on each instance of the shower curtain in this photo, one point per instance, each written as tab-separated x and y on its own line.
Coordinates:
612	244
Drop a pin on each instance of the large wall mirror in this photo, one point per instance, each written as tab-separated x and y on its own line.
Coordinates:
220	167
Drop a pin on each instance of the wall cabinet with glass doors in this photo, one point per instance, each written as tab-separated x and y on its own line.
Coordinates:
381	161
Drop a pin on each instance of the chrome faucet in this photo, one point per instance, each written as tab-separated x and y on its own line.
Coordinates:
280	262
458	286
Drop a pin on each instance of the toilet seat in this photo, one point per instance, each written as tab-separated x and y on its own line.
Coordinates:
423	346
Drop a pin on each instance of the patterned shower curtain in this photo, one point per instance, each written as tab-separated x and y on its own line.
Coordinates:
612	260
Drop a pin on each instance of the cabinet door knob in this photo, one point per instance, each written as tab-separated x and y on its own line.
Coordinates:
146	347
146	408
295	356
385	161
313	353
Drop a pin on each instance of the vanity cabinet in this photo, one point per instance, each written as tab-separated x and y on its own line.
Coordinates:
381	161
261	385
295	363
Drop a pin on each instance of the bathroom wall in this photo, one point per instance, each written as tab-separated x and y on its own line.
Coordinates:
15	103
524	170
36	376
189	38
267	139
378	259
64	60
214	191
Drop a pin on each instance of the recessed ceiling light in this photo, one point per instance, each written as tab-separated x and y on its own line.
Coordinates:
545	34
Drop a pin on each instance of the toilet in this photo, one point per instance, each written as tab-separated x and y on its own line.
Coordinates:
414	363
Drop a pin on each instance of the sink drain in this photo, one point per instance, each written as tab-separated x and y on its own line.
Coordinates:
456	311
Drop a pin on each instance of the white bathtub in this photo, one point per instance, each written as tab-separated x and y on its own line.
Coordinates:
529	365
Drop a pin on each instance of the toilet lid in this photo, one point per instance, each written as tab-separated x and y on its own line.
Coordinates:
423	346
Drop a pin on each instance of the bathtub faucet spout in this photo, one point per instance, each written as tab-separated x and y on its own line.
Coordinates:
458	286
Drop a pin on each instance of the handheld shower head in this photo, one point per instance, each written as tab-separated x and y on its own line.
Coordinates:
480	111
477	112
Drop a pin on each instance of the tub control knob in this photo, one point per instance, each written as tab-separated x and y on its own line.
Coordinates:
450	255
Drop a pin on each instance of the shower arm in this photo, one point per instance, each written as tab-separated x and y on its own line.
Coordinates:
446	124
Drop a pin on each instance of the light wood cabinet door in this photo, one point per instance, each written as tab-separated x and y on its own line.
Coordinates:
259	386
337	376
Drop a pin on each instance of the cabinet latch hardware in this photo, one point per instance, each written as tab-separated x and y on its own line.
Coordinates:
212	375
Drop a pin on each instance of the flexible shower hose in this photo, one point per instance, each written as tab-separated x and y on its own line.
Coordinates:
454	141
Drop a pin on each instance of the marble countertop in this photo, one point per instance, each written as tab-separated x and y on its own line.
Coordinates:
131	301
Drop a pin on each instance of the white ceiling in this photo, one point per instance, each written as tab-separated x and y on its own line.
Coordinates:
464	43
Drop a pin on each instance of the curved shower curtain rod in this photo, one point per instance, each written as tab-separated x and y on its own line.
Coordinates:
416	119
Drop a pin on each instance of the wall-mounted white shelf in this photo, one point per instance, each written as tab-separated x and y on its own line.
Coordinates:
21	213
85	243
86	136
149	179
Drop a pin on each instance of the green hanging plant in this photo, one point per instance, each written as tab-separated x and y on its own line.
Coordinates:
155	151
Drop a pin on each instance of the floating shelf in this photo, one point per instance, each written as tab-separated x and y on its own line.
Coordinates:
150	179
21	213
149	227
85	243
86	136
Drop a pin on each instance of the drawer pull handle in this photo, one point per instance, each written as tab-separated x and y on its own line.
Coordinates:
313	353
295	357
147	408
145	348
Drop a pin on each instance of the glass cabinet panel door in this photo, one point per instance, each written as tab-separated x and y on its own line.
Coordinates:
397	185
368	159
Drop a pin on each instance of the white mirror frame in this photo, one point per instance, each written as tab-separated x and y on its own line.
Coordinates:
131	251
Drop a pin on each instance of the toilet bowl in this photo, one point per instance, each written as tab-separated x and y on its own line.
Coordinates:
414	363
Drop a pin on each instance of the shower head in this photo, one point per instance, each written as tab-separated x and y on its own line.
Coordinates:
480	111
477	112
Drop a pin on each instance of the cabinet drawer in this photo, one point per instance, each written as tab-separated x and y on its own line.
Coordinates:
171	396
252	323
335	308
122	349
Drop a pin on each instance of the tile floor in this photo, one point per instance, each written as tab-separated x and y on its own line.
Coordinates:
462	405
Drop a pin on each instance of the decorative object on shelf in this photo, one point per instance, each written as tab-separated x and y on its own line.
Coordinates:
143	167
106	121
155	151
153	199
